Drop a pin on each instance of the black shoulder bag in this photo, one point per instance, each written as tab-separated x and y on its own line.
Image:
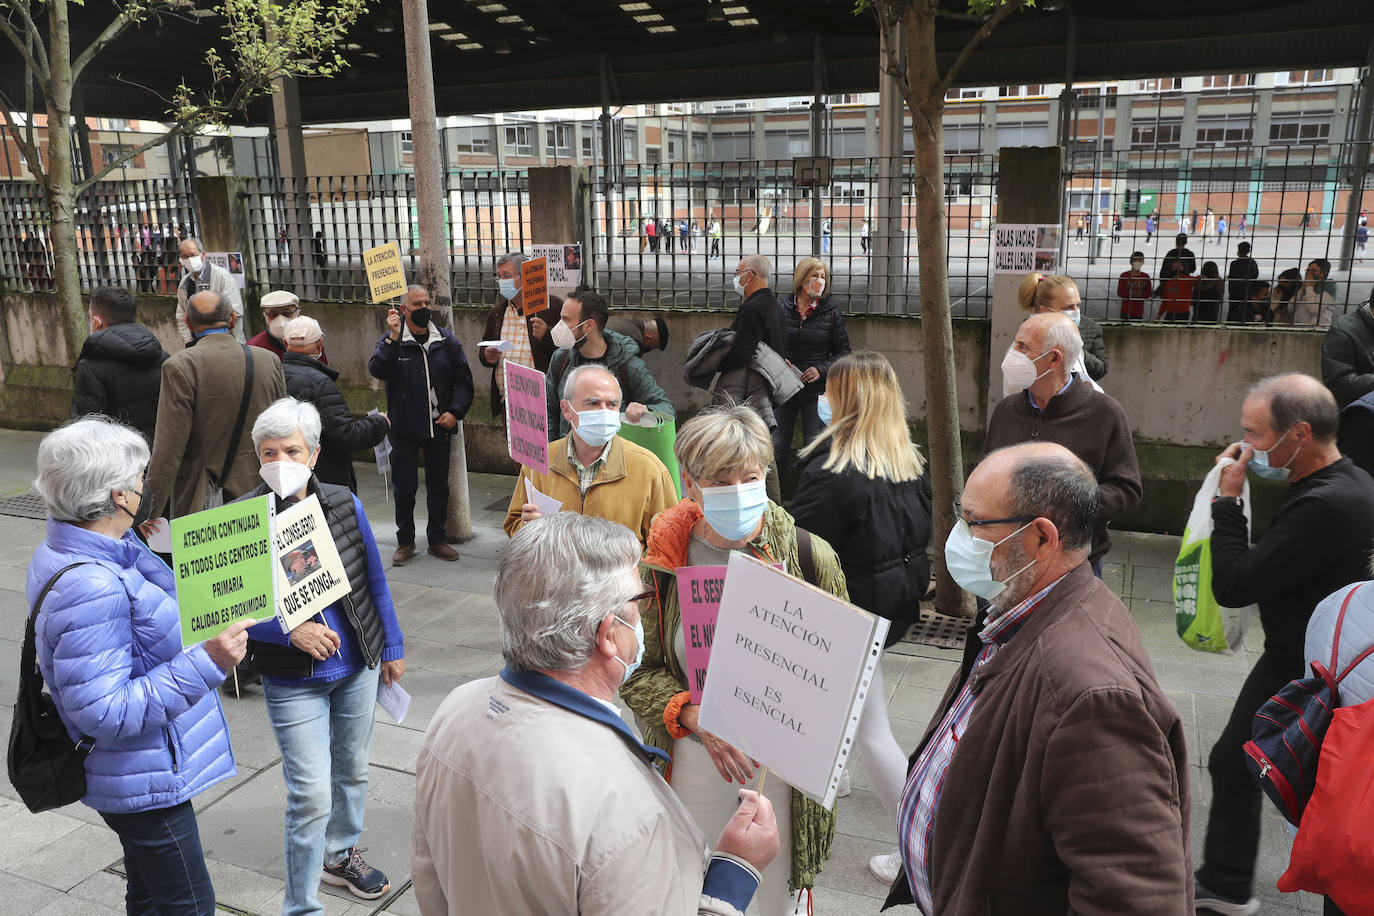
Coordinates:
46	768
214	493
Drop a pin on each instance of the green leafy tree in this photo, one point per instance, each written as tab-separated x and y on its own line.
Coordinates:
263	41
923	87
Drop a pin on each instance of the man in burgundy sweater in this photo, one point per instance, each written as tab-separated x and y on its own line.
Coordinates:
1058	406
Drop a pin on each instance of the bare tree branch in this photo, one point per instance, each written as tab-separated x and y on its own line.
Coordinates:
28	110
126	156
1002	12
38	68
131	15
30	152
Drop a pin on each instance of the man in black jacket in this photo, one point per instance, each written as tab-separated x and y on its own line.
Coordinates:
1181	253
1348	356
1318	542
309	379
1239	275
759	319
428	392
119	371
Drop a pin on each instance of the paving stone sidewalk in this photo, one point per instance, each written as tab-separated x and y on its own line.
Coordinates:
68	862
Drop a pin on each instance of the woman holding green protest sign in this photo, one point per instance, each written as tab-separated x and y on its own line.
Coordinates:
724	453
108	639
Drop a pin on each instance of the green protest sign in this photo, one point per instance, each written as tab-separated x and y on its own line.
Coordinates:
222	558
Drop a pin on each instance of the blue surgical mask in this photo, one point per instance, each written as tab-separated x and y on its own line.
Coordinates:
630	667
596	427
823	409
507	287
1074	315
1259	461
969	561
734	512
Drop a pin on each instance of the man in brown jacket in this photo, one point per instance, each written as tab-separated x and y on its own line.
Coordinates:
1056	405
202	388
1053	777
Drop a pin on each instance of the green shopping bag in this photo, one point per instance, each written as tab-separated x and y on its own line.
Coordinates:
1202	623
658	433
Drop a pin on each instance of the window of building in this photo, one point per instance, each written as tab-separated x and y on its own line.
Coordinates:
1228	81
559	139
520	138
786	144
1224	130
674	147
108	153
473	139
1164	84
847	192
1021	92
1300	77
1023	133
589	140
630	145
964	94
1152	135
731	146
699	148
407	143
849	143
963	138
1304	127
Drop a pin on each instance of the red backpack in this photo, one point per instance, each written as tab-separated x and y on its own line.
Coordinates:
1286	738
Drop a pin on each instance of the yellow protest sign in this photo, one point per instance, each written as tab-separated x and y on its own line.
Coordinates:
385	275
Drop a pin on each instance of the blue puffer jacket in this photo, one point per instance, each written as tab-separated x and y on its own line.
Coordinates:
109	647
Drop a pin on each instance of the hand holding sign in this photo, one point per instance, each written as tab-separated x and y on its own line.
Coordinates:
228	648
315	639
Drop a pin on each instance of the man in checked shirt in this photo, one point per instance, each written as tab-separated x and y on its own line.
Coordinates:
1053	777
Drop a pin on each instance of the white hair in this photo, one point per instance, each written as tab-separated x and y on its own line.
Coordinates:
561	575
82	464
758	264
570	380
286	416
1064	337
514	258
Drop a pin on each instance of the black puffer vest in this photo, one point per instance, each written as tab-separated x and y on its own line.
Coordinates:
337	503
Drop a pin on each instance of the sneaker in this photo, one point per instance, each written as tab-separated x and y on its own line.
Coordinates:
886	868
844	788
361	879
1203	899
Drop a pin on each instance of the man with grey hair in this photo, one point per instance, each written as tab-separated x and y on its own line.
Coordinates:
526	336
759	319
200	276
1318	542
1054	765
592	470
211	394
1051	403
531	792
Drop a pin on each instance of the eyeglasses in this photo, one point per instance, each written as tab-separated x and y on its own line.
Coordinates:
1015	519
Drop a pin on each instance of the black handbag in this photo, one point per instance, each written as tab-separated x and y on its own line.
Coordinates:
271	660
46	768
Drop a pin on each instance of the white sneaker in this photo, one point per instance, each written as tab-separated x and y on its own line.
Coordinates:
844	788
803	904
886	868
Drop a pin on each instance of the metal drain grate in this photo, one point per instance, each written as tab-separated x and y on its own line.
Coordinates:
25	505
937	630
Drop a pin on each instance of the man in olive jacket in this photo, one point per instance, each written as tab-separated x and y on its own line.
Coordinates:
1053	777
202	388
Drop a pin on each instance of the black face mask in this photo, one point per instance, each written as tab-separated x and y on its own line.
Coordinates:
420	317
145	507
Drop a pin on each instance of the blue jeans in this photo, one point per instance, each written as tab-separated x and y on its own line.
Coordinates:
325	794
163	858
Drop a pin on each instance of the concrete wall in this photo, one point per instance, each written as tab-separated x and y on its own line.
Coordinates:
1181	387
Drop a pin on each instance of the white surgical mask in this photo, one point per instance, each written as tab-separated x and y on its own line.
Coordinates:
563	336
194	265
277	327
1018	370
969	561
286	478
734	512
1073	315
597	427
738	284
630	667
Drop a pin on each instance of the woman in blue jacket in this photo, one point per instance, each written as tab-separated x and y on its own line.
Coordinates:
321	679
109	647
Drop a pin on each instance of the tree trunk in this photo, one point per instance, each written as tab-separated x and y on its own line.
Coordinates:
61	200
927	106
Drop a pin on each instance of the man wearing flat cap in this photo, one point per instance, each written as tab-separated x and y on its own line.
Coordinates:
278	307
309	379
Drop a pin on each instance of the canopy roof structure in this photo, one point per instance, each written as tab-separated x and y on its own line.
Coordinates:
515	55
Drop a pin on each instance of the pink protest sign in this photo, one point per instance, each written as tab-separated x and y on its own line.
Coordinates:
698	596
526	420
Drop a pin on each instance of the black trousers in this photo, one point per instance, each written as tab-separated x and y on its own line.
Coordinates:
405	482
1233	823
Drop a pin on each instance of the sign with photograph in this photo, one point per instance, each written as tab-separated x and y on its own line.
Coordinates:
310	575
564	265
1019	248
231	261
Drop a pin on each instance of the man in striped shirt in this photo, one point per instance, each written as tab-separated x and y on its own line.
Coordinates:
1053	777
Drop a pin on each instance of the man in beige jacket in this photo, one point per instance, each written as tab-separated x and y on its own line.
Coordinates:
202	388
532	795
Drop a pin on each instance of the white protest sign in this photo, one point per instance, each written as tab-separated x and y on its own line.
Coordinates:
231	261
790	667
565	265
310	575
1019	248
382	450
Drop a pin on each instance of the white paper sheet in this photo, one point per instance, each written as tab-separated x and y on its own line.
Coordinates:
394	700
500	346
160	539
546	504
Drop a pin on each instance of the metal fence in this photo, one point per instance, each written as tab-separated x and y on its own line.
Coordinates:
1290	204
127	234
